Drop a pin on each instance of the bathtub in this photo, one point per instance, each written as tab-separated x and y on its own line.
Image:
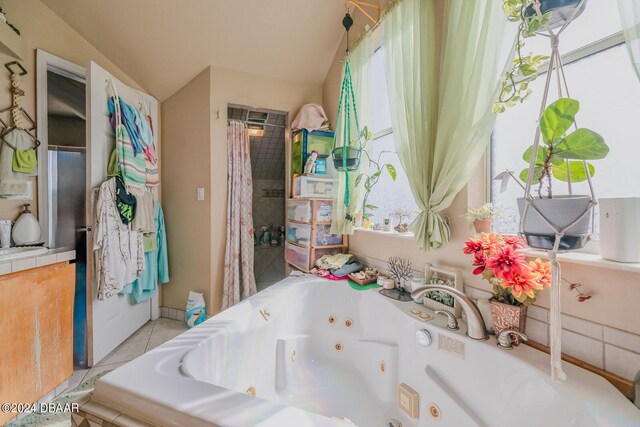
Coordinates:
311	352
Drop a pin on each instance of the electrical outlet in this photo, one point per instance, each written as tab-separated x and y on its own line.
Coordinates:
200	193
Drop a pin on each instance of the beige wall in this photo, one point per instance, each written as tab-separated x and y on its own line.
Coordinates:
234	87
42	29
615	293
186	133
194	135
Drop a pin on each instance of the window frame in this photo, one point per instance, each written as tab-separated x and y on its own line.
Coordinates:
613	40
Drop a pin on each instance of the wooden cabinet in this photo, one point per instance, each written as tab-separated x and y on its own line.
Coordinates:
36	332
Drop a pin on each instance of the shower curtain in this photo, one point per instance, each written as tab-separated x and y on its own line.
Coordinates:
239	280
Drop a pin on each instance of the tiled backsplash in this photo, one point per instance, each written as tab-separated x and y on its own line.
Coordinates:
607	348
610	349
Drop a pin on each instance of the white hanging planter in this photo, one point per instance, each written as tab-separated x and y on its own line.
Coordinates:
562	211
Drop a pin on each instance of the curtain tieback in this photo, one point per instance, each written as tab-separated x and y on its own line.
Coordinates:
431	229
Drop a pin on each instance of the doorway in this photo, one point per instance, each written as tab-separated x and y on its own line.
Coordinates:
66	187
266	130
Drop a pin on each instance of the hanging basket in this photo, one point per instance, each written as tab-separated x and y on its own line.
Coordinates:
562	212
562	11
353	158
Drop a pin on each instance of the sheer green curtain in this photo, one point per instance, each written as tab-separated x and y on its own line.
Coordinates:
409	34
441	98
630	18
360	60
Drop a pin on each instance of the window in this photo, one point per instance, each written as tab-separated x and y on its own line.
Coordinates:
387	195
600	76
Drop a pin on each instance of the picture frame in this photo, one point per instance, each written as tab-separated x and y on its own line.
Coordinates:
436	300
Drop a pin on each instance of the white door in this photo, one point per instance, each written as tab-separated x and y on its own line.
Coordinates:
113	320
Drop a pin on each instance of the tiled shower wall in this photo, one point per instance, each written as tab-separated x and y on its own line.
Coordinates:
269	265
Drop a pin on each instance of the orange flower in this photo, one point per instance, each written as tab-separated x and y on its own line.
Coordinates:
490	241
523	284
543	269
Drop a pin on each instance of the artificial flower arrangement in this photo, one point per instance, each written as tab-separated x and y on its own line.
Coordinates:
499	260
515	281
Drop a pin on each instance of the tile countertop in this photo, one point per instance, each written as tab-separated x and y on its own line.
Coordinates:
53	256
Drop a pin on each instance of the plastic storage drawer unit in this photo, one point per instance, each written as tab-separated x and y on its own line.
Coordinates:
312	187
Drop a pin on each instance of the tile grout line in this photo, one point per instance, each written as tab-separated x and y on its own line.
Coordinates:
146	347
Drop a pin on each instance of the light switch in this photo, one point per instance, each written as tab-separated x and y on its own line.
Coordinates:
200	193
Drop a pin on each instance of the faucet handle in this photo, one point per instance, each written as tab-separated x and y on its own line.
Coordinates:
505	338
452	322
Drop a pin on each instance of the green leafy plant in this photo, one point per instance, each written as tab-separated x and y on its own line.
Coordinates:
524	69
562	155
439	296
376	169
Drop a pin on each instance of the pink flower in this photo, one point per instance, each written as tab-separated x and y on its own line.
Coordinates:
472	246
505	261
514	241
479	261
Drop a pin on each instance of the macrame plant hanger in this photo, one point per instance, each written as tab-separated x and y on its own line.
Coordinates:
346	157
555	65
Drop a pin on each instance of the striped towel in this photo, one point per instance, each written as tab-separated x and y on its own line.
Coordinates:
132	166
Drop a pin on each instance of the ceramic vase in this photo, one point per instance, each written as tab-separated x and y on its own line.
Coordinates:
507	316
482	225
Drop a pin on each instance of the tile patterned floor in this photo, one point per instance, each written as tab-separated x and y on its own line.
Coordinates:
148	337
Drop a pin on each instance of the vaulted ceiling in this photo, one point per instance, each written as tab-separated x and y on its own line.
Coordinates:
162	44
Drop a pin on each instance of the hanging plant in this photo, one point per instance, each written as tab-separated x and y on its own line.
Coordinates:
346	153
515	82
562	155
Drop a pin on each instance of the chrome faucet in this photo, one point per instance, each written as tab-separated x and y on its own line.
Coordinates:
475	325
505	338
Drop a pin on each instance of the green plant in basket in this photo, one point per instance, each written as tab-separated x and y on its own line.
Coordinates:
562	155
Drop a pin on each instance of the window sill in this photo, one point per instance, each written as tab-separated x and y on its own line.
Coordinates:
407	235
592	260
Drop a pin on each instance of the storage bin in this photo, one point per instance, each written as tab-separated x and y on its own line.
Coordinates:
297	256
308	211
323	236
299	233
304	258
299	210
312	187
322	210
304	142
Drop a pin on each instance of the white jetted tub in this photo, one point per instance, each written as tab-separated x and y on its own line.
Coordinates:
311	352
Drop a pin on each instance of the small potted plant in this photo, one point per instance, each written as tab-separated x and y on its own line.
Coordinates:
482	217
515	281
562	156
402	217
